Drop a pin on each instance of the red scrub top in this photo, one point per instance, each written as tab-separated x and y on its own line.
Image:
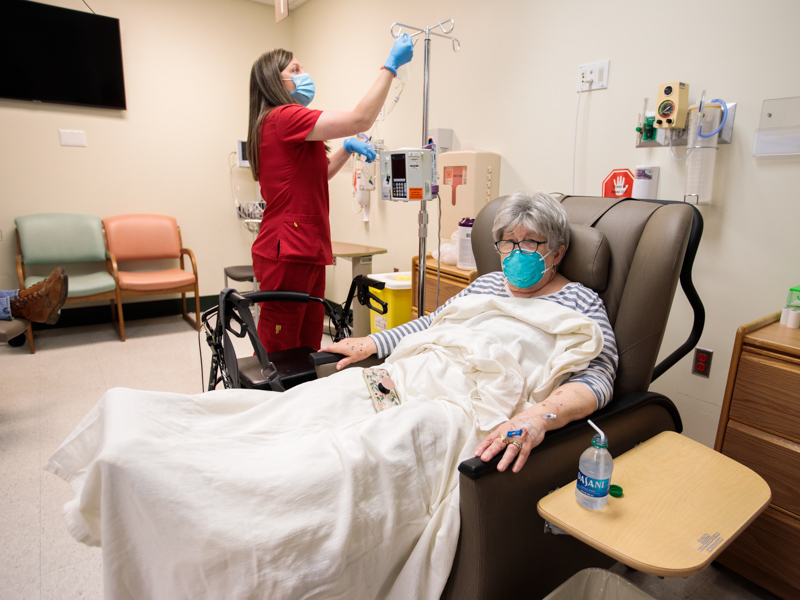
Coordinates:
293	175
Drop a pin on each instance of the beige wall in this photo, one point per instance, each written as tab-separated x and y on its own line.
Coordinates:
511	89
187	66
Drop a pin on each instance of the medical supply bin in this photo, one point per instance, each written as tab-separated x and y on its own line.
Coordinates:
597	584
397	295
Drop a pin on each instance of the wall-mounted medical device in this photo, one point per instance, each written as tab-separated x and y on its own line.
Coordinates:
706	120
241	154
468	180
700	127
406	174
671	106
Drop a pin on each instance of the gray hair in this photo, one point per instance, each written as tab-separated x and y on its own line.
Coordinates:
537	211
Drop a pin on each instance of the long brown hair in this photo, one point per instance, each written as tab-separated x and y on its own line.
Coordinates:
266	92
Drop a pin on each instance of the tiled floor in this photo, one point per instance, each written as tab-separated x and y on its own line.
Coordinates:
46	394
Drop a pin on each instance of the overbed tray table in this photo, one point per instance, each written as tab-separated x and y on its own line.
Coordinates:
682	504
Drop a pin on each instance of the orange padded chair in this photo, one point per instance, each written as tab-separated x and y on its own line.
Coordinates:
147	238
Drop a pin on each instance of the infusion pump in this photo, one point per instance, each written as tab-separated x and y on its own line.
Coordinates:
406	174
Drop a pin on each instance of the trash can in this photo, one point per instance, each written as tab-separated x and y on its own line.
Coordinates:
597	584
397	294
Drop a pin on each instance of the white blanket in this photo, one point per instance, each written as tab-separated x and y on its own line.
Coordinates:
311	493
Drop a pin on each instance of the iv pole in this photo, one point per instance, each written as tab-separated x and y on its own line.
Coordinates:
397	31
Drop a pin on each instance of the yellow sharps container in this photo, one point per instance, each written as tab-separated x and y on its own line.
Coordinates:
397	294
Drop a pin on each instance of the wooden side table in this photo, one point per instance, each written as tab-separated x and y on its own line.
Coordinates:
683	503
452	281
759	426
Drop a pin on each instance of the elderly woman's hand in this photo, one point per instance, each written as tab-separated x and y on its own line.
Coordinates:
354	349
515	439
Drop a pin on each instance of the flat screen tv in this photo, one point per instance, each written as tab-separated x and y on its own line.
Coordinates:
53	54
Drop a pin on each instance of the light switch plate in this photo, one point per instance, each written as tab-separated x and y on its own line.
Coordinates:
72	138
593	76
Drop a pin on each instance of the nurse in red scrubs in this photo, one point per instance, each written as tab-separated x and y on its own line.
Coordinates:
289	159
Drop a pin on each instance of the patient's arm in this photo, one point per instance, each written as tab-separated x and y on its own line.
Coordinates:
354	349
569	402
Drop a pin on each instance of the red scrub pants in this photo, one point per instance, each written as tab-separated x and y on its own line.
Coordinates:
286	325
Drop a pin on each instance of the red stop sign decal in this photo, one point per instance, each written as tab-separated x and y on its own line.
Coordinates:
618	184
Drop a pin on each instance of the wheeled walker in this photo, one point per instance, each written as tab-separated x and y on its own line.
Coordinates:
276	371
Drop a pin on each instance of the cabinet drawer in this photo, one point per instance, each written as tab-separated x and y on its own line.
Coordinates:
447	289
768	553
776	459
767	394
451	282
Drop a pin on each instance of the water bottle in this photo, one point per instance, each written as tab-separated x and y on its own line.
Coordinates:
594	473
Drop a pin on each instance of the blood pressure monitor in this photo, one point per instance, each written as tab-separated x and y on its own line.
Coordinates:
406	174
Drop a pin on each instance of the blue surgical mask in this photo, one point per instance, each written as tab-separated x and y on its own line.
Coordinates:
524	270
303	88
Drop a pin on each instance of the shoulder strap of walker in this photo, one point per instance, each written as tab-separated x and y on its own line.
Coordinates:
232	305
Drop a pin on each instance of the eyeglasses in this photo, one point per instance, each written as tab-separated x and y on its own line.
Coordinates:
525	246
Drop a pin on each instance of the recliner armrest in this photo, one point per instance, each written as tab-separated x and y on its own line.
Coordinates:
475	468
324	358
325	362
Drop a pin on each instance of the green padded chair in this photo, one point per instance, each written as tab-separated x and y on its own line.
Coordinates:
77	243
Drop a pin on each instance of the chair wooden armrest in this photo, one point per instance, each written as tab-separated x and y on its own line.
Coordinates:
190	254
111	266
20	271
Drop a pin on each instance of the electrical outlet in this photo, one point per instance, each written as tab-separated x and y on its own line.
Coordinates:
593	76
587	75
702	362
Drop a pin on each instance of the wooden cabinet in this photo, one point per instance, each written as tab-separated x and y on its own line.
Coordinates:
452	281
760	428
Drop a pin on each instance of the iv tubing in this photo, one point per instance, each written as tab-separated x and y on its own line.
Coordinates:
690	146
721	123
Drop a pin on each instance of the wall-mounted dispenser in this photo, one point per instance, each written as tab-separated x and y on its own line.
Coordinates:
468	180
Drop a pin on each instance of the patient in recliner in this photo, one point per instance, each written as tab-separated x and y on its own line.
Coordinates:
525	225
315	492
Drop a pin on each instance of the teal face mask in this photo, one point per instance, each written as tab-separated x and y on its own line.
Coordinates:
524	270
303	88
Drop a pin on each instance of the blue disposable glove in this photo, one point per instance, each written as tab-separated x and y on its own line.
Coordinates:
401	53
364	148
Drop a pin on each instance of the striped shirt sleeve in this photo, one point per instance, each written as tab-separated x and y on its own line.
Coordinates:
600	374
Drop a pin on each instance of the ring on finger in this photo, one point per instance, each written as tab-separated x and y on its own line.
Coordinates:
517	444
503	439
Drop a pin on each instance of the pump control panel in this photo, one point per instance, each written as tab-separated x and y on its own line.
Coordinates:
406	174
671	106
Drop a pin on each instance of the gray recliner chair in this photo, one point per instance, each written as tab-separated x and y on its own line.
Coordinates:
632	253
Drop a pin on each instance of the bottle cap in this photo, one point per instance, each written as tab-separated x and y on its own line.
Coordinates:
466	222
615	490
